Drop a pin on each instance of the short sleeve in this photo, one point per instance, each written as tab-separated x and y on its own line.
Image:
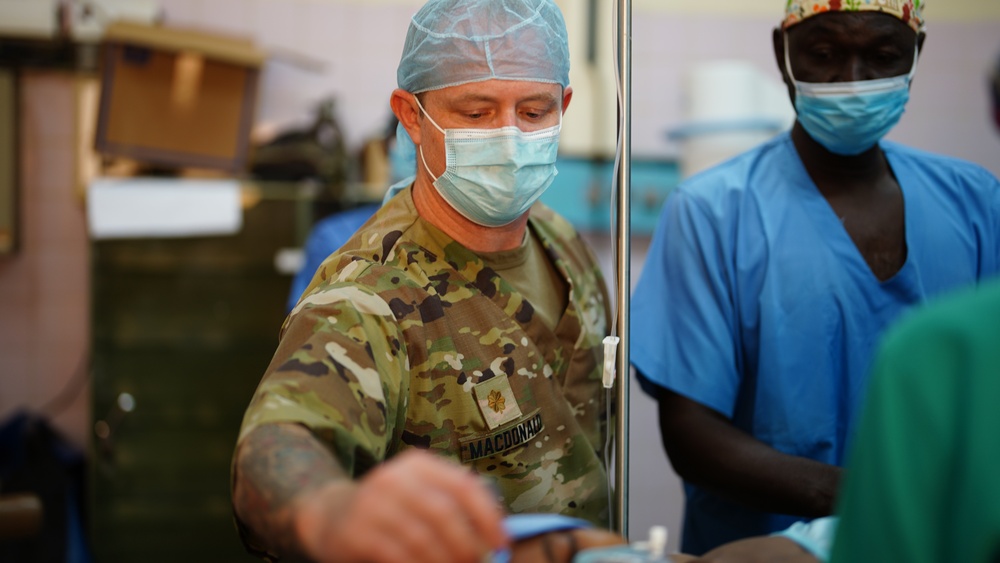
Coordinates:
339	370
326	237
683	325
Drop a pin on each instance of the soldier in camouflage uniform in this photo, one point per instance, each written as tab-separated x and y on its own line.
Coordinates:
470	328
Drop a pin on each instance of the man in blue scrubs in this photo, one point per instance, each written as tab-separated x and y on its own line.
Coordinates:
772	276
324	238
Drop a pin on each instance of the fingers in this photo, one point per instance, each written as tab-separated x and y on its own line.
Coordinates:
457	509
760	549
587	538
475	500
416	508
446	525
562	546
421	540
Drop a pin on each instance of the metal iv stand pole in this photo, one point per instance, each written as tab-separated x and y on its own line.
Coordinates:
624	180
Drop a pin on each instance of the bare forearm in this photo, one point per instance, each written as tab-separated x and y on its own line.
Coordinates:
275	465
754	474
417	507
707	450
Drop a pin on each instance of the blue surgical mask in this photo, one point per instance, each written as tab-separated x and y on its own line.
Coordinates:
849	118
493	176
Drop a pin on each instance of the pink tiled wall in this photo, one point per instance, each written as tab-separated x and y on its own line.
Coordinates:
359	45
44	289
355	45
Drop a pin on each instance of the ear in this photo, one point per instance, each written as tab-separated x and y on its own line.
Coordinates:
920	48
778	43
405	108
567	96
996	99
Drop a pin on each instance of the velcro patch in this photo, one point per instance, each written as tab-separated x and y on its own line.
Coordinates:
496	401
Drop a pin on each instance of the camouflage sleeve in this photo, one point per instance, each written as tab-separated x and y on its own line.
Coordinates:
340	370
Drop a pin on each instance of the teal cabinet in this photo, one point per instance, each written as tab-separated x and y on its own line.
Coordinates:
581	192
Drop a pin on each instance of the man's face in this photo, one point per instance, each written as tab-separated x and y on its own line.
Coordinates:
848	47
529	106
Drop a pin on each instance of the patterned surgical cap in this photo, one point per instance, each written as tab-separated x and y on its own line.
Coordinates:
909	11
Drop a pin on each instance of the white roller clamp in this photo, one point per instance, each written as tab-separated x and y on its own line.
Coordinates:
610	358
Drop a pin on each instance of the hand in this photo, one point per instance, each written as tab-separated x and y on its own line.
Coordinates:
761	549
561	547
415	508
709	451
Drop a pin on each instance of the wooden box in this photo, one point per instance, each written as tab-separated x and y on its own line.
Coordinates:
177	98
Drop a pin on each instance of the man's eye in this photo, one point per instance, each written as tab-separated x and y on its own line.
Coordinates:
534	114
886	57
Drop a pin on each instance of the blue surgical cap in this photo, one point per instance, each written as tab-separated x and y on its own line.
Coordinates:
454	42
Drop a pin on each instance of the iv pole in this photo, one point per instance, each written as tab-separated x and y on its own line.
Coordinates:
624	181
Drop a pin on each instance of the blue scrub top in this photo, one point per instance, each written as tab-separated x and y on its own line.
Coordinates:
755	302
327	235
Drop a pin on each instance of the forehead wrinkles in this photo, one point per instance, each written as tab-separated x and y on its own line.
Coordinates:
479	94
486	98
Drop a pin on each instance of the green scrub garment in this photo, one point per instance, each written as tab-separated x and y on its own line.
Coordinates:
923	478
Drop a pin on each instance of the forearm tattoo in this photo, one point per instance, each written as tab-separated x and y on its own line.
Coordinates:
276	463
